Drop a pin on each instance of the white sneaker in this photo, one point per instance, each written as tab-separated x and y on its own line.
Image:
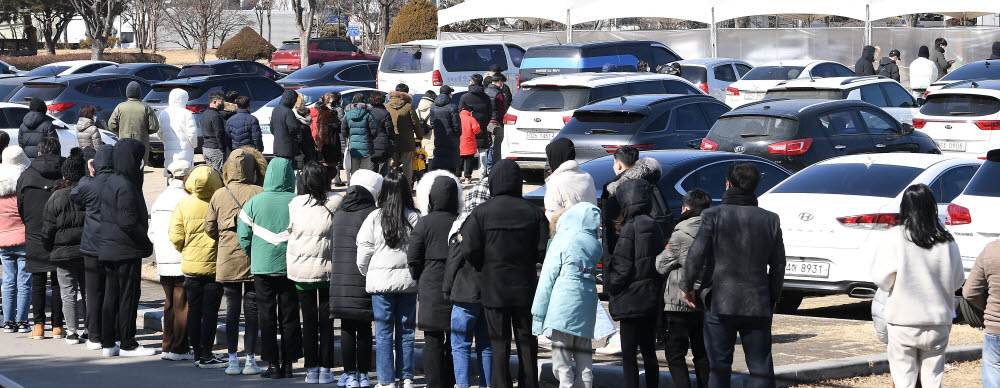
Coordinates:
544	342
110	352
312	375
91	345
385	386
614	346
361	381
344	377
325	376
177	356
408	383
139	351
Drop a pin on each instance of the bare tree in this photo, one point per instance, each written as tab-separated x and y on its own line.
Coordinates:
99	16
143	15
194	22
262	10
304	16
54	16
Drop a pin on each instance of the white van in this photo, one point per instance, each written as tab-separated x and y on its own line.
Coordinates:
428	64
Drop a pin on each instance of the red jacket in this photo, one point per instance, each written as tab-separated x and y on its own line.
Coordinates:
470	127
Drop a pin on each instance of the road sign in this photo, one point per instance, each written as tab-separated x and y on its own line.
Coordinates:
353	31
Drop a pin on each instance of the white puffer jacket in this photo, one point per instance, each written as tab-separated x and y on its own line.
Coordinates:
923	73
384	268
168	258
568	186
309	254
178	129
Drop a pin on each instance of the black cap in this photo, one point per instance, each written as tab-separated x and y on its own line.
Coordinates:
89	153
894	53
993	155
446	90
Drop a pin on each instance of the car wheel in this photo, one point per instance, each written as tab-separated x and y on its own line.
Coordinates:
970	314
789	302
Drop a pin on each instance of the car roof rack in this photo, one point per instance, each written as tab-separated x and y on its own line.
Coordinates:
862	78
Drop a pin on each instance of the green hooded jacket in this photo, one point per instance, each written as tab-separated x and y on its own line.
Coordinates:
263	224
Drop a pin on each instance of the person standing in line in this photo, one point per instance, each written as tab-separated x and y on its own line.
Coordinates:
683	324
494	90
408	129
124	243
494	71
285	127
326	133
439	195
35	126
467	148
918	264
923	72
229	108
887	65
87	134
505	239
307	145
309	258
937	56
384	143
359	127
747	273
175	344
461	287
566	299
424	114
481	106
864	66
62	228
567	185
242	176
198	259
134	119
16	280
34	188
383	241
180	131
88	195
262	231
243	129
5	141
349	302
447	129
215	146
634	287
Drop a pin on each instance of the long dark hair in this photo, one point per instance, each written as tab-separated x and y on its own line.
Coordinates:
919	214
394	199
314	181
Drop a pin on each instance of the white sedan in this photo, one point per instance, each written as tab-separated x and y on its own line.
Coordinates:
11	116
834	214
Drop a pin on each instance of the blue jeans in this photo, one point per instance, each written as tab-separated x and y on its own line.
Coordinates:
16	284
395	319
991	360
468	323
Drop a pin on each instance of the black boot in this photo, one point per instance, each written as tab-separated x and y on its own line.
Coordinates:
286	370
272	372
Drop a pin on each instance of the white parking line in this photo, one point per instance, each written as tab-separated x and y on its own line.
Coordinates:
8	383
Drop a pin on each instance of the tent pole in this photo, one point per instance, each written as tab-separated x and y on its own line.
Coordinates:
868	25
714	36
569	28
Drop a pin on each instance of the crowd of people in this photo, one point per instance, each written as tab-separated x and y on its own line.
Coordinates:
292	256
929	66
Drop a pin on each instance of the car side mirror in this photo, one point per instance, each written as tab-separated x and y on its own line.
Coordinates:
907	129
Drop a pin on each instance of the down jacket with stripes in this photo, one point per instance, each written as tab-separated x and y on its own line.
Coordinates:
263	223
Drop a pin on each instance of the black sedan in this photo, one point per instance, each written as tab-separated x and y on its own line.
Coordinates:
152	72
355	73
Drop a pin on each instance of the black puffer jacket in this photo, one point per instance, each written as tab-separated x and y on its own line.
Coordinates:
62	226
34	188
213	130
887	67
505	238
864	65
124	218
447	130
88	195
35	126
647	169
438	192
348	298
482	111
634	285
385	137
285	127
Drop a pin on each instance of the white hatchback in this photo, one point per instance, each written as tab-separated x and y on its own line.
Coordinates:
834	214
962	120
429	64
755	83
971	217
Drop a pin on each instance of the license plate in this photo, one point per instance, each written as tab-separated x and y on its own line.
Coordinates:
754	95
282	67
809	269
951	146
541	135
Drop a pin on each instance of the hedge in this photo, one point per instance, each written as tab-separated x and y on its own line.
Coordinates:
31	62
246	45
416	20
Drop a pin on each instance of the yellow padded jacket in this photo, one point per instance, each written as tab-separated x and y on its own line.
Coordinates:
187	224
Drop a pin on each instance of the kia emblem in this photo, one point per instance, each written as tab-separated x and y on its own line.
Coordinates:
947	126
806	216
538	120
740	149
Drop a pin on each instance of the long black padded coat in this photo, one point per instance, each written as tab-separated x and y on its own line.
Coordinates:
34	188
439	195
634	285
348	298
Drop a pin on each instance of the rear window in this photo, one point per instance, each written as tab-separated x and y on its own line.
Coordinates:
960	105
985	183
555	57
877	180
604	123
749	127
289	46
694	74
44	92
806	94
545	98
47	71
975	71
473	58
309	73
774	73
161	93
410	59
195	71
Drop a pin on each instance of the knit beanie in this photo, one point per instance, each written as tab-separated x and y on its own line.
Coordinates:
368	179
15	155
74	168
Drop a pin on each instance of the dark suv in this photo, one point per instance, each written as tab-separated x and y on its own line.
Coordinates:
646	122
66	94
798	133
622	55
227	67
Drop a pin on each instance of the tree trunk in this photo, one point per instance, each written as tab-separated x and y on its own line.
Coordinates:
97	47
303	47
152	28
268	24
203	43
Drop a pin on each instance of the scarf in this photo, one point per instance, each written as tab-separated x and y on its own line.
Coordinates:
739	197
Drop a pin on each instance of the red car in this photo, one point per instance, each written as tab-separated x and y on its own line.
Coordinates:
286	59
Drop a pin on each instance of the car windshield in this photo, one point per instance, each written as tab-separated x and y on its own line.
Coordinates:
985	182
161	93
47	71
977	70
7	89
876	180
604	123
694	74
289	46
195	71
773	73
310	73
44	92
750	127
806	94
407	59
550	98
960	105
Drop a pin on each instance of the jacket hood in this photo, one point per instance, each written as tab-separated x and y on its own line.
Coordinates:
996	50
505	179
128	155
279	176
868	53
48	166
398	100
178	98
33	119
288	98
633	195
8	178
133	91
14	155
439	190
885	61
477	89
370	180
559	151
583	217
245	165
645	168
203	181
83	124
925	52
104	160
442	100
36	105
357	198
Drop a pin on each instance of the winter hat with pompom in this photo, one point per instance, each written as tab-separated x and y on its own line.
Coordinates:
74	168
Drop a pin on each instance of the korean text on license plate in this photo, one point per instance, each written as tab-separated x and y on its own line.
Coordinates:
541	135
803	268
951	146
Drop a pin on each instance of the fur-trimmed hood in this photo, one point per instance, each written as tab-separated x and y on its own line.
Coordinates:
645	168
426	186
8	178
398	99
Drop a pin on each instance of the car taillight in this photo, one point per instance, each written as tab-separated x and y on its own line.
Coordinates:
709	145
610	148
791	147
927	93
919	123
519	80
704	87
436	78
566	119
509	119
870	221
732	92
958	215
988	125
197	108
512	158
56	108
296	87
